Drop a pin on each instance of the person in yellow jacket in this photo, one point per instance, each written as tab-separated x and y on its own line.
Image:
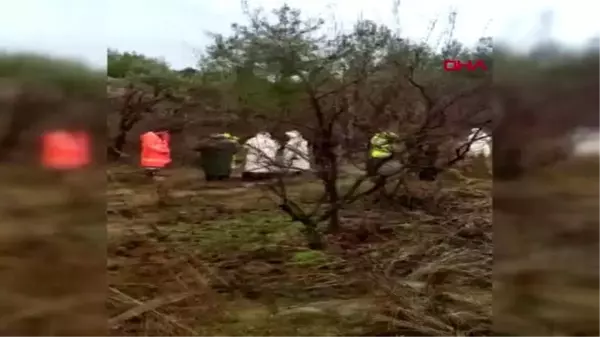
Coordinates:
236	140
380	150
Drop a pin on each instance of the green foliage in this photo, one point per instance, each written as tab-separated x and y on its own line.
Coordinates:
121	65
155	73
269	62
188	72
69	76
262	61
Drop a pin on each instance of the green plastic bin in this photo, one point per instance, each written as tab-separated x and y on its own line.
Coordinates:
216	159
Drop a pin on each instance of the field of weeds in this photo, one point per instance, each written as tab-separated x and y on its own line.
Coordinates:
197	258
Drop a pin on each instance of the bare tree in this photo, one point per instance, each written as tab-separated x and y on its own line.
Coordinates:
344	88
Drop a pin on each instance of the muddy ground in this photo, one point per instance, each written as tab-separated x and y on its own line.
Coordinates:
220	259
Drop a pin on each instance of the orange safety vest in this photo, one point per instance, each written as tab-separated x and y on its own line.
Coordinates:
65	150
155	149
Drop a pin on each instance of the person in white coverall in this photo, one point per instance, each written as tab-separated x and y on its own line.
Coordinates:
480	146
260	157
480	151
295	153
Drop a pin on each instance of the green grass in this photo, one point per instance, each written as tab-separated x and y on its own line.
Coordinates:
245	232
309	257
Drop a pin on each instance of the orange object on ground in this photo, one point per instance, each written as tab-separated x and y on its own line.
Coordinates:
155	150
65	150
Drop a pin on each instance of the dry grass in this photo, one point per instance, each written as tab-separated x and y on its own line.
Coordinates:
211	263
546	269
52	255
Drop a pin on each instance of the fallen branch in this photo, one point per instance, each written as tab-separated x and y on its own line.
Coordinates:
149	306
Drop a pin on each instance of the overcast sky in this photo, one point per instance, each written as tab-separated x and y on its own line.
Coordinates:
175	29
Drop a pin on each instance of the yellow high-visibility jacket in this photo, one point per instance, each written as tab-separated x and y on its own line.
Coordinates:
234	139
231	137
381	145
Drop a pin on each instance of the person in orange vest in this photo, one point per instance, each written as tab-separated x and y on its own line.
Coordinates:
156	152
65	150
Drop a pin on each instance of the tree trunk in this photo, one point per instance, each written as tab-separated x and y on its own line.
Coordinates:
332	191
118	145
125	125
313	237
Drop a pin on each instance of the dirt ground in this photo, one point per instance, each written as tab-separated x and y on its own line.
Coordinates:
197	258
